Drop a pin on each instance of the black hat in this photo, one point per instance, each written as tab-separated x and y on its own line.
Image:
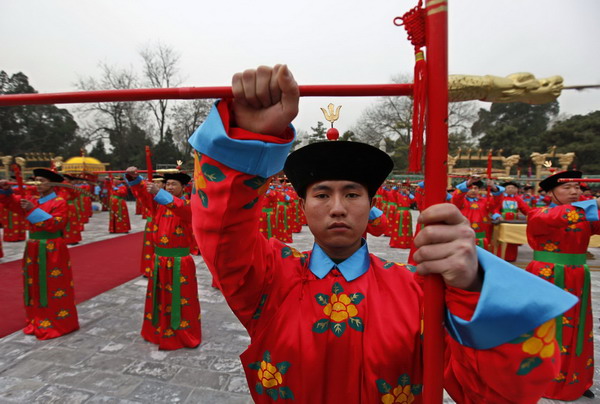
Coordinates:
338	160
181	177
478	184
507	183
551	182
70	177
50	175
158	177
527	187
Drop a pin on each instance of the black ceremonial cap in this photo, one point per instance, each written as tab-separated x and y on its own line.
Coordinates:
50	175
507	183
551	182
338	160
181	177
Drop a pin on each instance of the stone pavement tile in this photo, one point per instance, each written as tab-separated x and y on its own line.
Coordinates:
53	394
192	358
150	391
227	364
154	370
101	399
31	369
111	363
201	378
82	341
61	355
204	396
238	384
64	375
110	383
13	389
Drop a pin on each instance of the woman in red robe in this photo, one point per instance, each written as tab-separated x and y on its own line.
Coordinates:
559	235
172	310
48	294
336	324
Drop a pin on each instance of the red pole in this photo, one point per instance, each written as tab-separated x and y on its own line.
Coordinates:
436	170
145	94
149	171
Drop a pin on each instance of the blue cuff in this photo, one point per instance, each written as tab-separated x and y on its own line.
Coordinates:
512	302
287	198
38	215
163	197
252	157
495	216
374	213
499	191
462	186
448	196
411	196
591	209
134	182
8	191
421	184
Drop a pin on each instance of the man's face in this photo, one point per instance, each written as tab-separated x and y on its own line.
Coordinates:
174	187
511	190
43	186
337	213
566	193
473	191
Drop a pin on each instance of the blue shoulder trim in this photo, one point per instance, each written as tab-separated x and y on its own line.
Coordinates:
38	215
134	182
374	213
462	186
163	197
591	209
252	157
500	190
512	302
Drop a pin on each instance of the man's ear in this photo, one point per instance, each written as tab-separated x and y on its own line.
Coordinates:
302	202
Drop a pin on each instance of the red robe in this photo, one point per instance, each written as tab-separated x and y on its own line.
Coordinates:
401	233
267	217
282	231
335	341
509	209
49	294
118	220
15	225
477	211
72	230
329	340
165	324
556	232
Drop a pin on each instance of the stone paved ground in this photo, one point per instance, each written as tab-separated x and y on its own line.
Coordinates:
107	361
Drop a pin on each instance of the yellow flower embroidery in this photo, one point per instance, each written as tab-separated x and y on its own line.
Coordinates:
169	332
59	293
542	342
560	377
546	272
148	316
268	375
56	272
550	247
164	239
340	308
45	324
573	216
401	394
63	314
184	324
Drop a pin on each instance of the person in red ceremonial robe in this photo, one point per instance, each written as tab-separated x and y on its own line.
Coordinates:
477	209
528	196
559	235
509	209
172	309
267	217
72	230
49	295
377	224
586	192
401	233
282	231
15	227
542	199
147	261
337	324
118	219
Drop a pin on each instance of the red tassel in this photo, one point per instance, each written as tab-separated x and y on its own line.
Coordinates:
415	153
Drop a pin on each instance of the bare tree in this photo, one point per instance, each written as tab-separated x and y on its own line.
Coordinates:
186	116
160	71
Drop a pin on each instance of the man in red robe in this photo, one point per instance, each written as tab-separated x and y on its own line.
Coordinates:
48	294
337	324
172	310
559	235
118	219
509	209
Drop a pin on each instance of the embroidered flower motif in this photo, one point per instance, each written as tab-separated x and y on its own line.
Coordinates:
550	246
475	225
474	206
573	216
560	377
63	314
169	332
404	392
147	242
148	316
542	342
50	246
183	324
539	343
546	272
340	310
270	378
179	231
55	273
164	240
184	302
574	378
60	293
589	363
44	324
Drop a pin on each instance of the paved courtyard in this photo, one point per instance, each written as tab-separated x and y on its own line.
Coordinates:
107	361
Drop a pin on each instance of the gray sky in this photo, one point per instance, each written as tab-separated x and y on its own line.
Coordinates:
323	42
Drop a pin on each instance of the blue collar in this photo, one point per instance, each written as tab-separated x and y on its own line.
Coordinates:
47	198
351	268
472	199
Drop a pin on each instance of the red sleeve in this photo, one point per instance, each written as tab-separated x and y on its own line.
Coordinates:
523	207
377	226
59	211
458	199
181	208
